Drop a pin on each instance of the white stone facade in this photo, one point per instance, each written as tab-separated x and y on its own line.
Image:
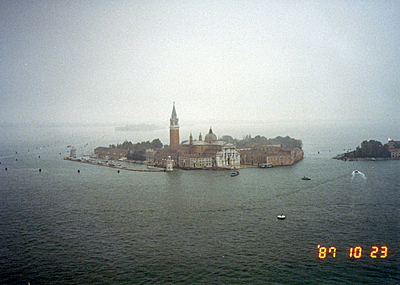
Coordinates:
228	157
169	167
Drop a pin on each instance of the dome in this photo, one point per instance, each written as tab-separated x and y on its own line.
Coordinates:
210	137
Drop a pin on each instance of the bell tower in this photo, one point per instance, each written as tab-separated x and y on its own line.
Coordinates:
174	130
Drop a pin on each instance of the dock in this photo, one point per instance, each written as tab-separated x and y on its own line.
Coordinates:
114	166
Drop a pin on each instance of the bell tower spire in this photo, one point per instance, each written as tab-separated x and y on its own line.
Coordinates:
174	130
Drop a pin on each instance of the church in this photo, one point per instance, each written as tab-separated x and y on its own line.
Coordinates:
209	153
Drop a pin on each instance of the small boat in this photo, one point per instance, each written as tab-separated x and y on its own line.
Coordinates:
281	217
306	178
266	165
235	173
356	171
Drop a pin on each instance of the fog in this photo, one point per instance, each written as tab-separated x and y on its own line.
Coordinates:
222	62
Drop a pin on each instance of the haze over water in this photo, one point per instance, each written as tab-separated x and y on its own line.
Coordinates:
325	72
225	62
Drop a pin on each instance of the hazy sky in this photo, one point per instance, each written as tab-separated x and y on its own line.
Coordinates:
127	61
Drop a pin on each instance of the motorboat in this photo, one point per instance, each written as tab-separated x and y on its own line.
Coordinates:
306	178
356	171
281	217
235	173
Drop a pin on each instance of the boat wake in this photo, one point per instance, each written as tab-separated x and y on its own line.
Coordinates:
317	185
357	173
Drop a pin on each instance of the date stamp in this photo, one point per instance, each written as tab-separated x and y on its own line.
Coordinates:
356	252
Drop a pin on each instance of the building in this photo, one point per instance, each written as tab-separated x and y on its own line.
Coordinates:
169	165
394	149
210	153
270	155
228	156
191	161
174	130
72	153
110	153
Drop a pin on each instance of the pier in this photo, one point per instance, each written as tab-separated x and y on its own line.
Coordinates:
113	166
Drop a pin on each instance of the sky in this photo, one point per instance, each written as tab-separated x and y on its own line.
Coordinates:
219	61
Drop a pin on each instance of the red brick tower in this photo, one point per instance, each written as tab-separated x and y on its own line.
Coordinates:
174	130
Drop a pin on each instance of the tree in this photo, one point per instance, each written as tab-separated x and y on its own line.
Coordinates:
156	144
284	141
370	149
227	138
139	155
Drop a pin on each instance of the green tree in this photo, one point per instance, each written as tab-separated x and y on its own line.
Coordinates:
370	149
227	138
156	144
137	155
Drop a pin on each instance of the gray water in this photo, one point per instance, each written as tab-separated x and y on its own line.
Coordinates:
98	226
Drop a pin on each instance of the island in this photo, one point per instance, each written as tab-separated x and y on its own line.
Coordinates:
373	150
210	153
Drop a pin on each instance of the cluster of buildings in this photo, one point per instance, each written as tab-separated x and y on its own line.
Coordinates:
269	155
209	153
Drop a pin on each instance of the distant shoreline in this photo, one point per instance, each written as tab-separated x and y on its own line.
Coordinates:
344	158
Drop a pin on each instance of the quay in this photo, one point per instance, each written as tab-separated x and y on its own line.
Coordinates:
113	166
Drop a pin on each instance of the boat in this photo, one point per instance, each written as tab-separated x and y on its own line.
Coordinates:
306	178
266	165
356	171
281	217
235	173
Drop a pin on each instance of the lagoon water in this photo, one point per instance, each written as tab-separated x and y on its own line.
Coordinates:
98	226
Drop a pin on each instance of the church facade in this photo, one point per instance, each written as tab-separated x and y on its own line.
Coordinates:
210	153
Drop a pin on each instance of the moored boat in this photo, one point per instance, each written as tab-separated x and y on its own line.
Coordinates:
266	165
